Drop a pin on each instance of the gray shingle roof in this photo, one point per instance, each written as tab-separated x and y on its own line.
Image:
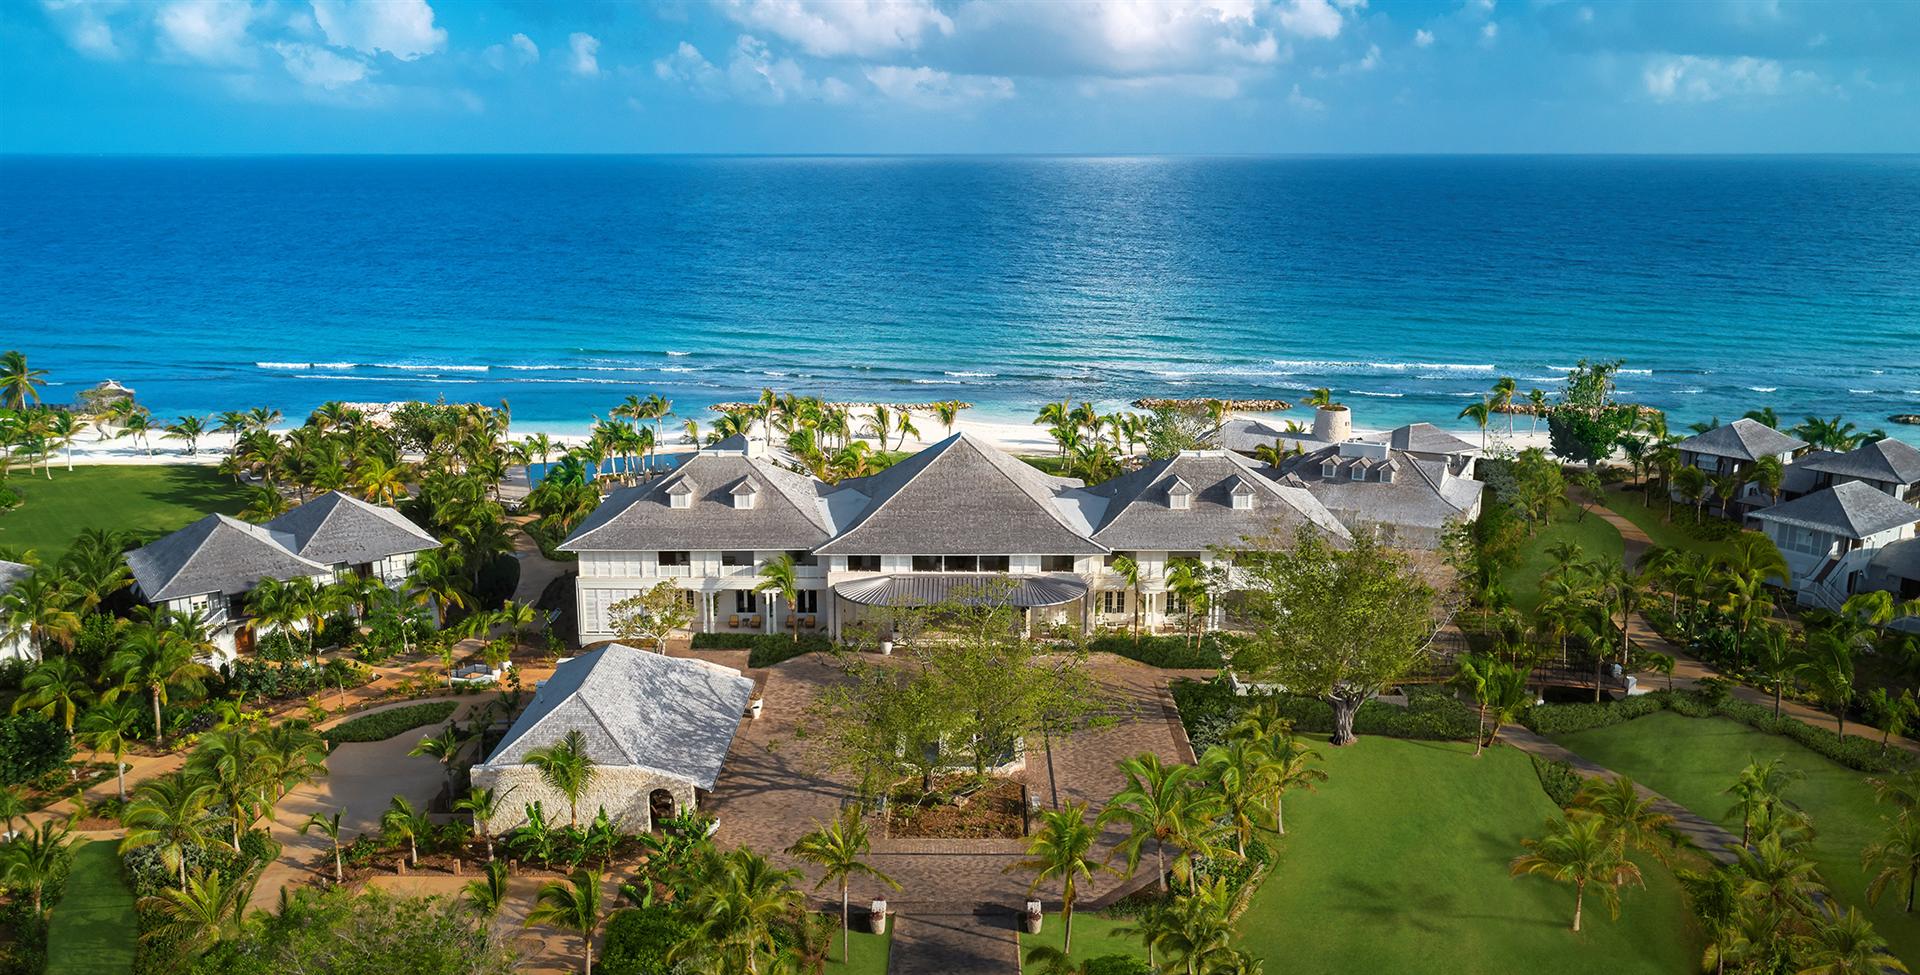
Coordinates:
1743	439
335	528
1849	509
1882	460
1425	438
12	572
1244	433
1900	559
1421	493
676	716
961	496
641	518
216	554
1137	517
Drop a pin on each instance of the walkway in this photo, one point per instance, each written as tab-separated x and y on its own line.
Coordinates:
955	941
1709	837
536	570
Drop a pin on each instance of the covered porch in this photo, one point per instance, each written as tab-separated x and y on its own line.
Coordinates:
1042	600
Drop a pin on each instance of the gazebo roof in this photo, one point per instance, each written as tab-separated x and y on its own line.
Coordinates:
927	589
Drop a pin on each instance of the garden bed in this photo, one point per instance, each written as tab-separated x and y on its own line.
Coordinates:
381	725
996	810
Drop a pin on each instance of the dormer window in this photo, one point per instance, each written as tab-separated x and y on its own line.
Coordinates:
1386	475
744	494
1358	472
1179	495
1329	467
680	495
1242	495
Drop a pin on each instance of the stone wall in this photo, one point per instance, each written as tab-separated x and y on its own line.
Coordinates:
622	790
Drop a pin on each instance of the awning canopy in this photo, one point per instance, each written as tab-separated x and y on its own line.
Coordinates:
927	589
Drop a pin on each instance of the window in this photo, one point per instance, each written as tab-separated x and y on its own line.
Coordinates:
863	563
1243	502
807	600
961	563
1329	468
804	558
674	559
995	563
926	563
746	601
1056	563
1113	600
736	558
1358	473
1175	605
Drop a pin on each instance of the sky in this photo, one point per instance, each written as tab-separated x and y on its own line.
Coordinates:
958	76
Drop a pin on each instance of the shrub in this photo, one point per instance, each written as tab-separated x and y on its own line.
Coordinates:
31	746
1116	965
1209	709
23	951
1163	651
1564	719
637	941
763	649
382	725
147	875
1559	780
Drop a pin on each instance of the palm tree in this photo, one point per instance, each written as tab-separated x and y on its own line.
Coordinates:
1502	399
402	821
444	747
572	905
41	606
109	727
34	858
1777	877
735	914
839	848
566	767
947	412
1897	852
19	383
1288	765
482	804
62	430
780	576
1480	412
1128	570
329	826
489	892
173	814
437	581
1471	676
1578	851
190	429
230	761
1630	818
202	911
1238	771
1062	849
55	687
1846	945
1507	696
1756	790
1161	803
157	661
1826	664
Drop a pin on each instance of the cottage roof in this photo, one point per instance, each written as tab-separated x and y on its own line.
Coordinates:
676	716
1882	460
334	529
1849	509
1136	516
1743	439
1422	493
216	554
12	572
791	515
1901	559
1425	438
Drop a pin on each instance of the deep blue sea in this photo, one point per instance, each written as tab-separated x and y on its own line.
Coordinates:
562	284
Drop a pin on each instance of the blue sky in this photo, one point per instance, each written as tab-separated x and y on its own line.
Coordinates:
1074	76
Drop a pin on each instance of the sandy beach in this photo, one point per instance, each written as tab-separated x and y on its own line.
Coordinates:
1012	436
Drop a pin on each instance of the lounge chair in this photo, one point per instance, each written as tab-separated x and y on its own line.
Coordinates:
733	622
807	621
792	621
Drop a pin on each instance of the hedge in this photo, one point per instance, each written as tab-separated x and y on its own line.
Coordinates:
31	746
1209	709
638	940
1558	778
382	725
763	649
1172	652
1565	719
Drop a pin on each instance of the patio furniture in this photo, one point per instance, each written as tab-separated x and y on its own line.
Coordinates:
733	621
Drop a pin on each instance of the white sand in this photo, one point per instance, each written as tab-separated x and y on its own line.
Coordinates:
1016	437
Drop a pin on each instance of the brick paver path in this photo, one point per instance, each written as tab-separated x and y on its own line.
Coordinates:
1707	835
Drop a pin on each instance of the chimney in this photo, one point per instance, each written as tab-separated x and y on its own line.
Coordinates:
1332	424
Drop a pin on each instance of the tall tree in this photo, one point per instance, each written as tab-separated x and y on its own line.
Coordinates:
840	849
1578	851
572	905
1062	850
567	768
1161	804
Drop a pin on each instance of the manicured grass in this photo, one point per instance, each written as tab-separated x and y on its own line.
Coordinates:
869	952
93	929
1399	864
382	725
1594	536
1093	937
1631	504
151	501
1693	760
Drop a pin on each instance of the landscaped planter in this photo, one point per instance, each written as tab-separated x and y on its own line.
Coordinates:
1034	917
877	916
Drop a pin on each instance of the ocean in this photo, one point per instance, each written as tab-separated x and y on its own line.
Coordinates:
563	284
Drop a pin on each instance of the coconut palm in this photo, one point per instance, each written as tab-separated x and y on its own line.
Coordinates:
190	429
110	727
445	747
329	826
839	849
1776	876
1128	569
157	662
12	806
40	606
489	892
1239	772
173	814
948	412
56	687
35	858
1826	665
1579	851
1757	790
1480	412
780	576
735	914
1846	945
437	581
201	912
1062	849
19	383
1631	819
482	804
1164	805
1471	675
566	767
401	821
230	759
1897	853
1289	765
62	431
1507	696
1501	400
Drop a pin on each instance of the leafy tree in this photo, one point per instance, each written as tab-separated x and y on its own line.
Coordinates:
651	617
1341	624
31	746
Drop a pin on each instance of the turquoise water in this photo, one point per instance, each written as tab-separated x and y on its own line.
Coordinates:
563	284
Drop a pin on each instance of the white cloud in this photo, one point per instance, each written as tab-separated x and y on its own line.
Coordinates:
586	54
402	28
1185	85
927	88
84	27
752	74
1371	61
1304	102
688	67
320	67
1310	19
208	31
525	48
1687	78
1423	38
524	52
839	28
1490	32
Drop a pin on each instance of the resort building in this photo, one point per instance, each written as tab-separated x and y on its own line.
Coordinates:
658	729
1410	501
1888	466
18	646
958	517
210	566
1833	538
1734	448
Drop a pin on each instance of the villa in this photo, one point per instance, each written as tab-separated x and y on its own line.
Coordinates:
1888	466
946	522
210	566
17	646
1834	539
1734	448
658	729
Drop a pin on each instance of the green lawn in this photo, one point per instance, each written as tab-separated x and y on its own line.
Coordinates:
1631	504
1093	937
1591	533
1399	864
1693	760
92	930
149	500
869	953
